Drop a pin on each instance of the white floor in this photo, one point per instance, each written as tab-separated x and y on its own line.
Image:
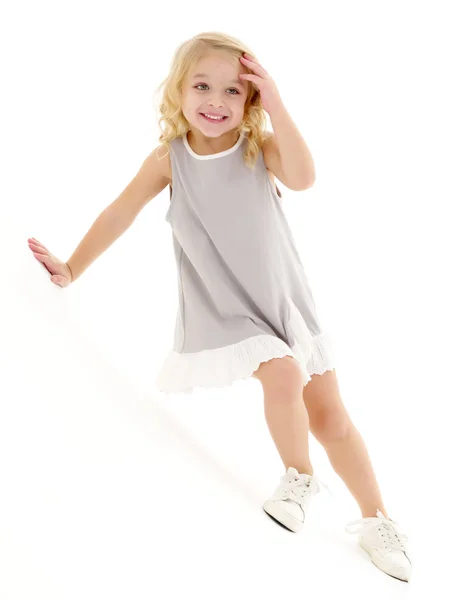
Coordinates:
109	493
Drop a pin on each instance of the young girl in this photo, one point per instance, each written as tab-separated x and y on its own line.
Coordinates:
245	305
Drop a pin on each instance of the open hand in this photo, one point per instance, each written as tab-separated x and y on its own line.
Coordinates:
59	271
269	94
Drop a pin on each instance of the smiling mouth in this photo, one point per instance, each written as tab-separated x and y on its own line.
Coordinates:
214	120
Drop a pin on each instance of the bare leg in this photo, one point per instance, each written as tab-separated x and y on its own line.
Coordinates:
285	412
331	425
349	458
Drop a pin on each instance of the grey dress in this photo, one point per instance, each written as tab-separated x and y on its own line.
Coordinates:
243	293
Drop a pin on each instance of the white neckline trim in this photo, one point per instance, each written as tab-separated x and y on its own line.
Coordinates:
217	154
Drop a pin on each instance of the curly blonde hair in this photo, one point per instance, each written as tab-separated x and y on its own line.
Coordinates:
188	53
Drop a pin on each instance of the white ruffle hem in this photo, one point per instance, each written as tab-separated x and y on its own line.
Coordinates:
219	367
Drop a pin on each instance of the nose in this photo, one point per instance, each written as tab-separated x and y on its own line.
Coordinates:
217	105
215	101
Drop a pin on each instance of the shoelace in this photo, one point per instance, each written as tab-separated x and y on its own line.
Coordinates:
394	539
293	487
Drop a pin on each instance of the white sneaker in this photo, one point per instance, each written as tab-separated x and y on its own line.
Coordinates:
385	543
290	499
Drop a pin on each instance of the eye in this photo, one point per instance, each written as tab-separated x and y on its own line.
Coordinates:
205	84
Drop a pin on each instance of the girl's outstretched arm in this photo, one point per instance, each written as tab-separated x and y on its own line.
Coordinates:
116	218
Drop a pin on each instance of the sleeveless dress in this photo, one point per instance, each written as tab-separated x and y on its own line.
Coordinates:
244	297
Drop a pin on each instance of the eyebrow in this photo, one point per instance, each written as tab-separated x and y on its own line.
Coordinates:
237	81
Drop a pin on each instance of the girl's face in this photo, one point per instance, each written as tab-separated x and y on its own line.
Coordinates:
213	87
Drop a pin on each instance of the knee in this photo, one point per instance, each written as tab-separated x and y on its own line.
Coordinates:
330	426
282	375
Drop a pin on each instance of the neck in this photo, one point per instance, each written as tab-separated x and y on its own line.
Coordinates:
202	144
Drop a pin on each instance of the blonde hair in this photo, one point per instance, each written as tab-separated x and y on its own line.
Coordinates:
188	53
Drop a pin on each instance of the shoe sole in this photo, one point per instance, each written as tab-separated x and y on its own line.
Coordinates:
284	518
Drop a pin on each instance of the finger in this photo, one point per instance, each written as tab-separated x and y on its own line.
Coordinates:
46	260
59	280
49	262
40	256
43	264
34	246
36	243
254	78
254	66
251	63
34	240
251	57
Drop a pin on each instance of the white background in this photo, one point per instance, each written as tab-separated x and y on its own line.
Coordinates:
107	488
